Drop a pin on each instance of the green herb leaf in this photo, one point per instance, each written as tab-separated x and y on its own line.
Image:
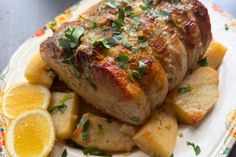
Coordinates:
127	44
184	89
105	42
65	44
76	34
141	67
162	14
112	4
135	119
172	155
136	74
118	24
100	129
60	108
142	41
122	61
71	61
64	154
144	9
196	148
203	62
73	144
136	22
85	126
175	1
226	27
92	24
148	3
93	151
112	41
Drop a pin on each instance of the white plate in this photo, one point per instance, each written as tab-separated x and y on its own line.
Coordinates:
215	135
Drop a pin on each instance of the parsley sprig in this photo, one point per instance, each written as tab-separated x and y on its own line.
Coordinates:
196	148
184	89
122	61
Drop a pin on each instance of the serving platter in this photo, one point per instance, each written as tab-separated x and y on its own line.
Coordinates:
215	135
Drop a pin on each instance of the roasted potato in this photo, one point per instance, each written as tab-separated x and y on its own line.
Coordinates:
195	96
37	72
104	134
158	135
215	54
64	109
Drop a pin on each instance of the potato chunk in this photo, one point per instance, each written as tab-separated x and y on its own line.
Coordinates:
195	96
97	132
37	72
158	135
64	109
215	54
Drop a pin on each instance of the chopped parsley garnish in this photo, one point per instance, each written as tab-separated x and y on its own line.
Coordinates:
93	151
73	144
65	44
196	148
85	126
142	41
72	40
203	62
141	67
100	129
162	14
71	62
127	44
135	119
136	22
62	108
138	74
86	151
174	1
2	77
122	61
87	71
148	3
118	24
73	35
64	154
184	89
105	42
226	27
91	24
112	4
145	9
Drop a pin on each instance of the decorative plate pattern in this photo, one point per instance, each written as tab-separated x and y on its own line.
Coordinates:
216	135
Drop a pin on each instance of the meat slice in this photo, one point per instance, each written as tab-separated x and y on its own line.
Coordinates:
122	57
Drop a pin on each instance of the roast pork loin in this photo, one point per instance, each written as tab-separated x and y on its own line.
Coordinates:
124	56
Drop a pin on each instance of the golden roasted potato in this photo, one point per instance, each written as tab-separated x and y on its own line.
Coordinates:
215	54
195	96
37	72
104	134
158	135
64	109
